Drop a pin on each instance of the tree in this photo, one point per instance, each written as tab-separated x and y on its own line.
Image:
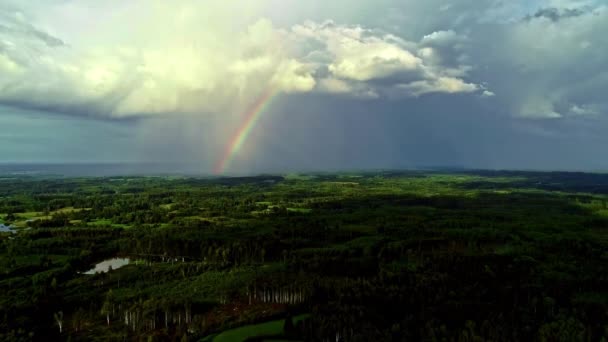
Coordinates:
78	319
10	217
108	306
59	319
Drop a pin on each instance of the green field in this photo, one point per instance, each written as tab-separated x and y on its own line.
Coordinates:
268	329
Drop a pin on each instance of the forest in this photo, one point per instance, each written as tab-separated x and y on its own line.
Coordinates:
445	255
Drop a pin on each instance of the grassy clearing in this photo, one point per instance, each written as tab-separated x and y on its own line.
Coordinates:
300	177
603	212
266	203
24	217
101	222
107	223
30	215
273	328
300	210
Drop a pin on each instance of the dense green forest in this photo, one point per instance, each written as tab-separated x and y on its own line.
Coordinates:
385	256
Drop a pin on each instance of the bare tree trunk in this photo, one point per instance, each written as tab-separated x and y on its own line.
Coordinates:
59	319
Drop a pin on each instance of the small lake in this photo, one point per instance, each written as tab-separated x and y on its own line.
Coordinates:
105	265
6	229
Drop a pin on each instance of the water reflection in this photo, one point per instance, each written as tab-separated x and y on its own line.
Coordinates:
6	229
105	265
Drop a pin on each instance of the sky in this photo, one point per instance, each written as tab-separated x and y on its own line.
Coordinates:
237	86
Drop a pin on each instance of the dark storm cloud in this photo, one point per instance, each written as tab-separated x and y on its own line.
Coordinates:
555	14
436	130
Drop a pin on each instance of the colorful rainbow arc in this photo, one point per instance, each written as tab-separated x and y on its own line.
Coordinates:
251	118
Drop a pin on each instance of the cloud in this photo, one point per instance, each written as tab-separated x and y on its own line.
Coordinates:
539	108
539	67
479	83
132	66
556	14
178	67
576	109
216	57
448	85
357	58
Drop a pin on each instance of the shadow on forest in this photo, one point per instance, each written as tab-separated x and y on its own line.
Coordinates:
595	183
498	264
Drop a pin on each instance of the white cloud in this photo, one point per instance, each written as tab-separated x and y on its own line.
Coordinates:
180	66
585	109
334	85
440	85
8	66
538	108
217	56
200	63
441	38
362	58
376	60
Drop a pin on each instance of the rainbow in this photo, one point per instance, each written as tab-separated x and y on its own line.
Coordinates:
251	118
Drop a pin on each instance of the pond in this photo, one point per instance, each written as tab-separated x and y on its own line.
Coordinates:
105	265
6	229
